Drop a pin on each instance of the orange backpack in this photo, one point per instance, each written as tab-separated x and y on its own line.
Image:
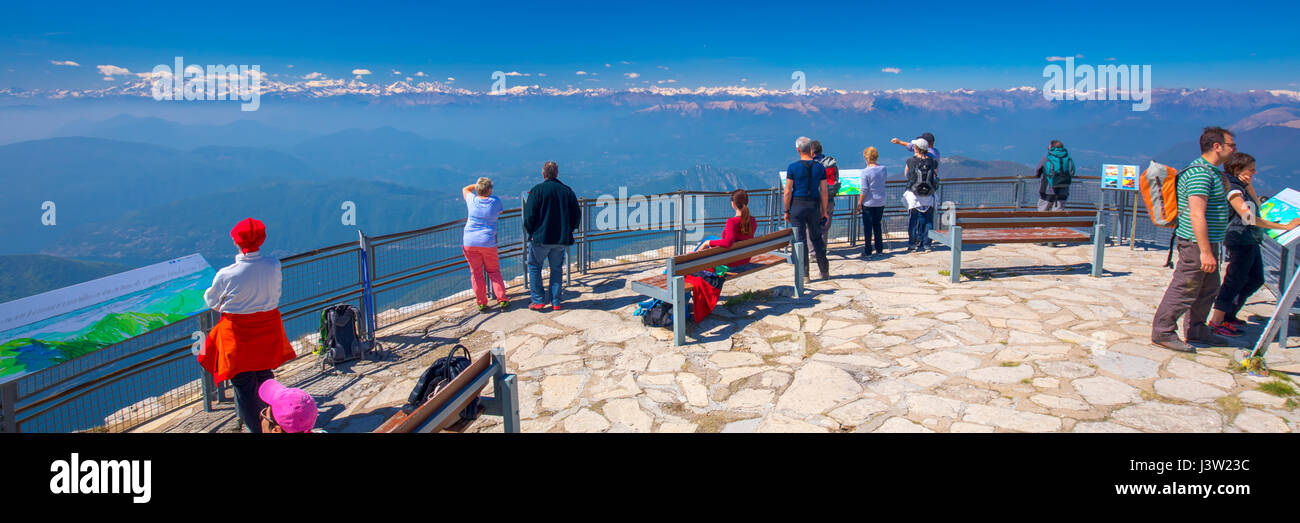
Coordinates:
1159	186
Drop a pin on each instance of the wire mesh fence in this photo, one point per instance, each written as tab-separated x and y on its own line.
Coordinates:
416	272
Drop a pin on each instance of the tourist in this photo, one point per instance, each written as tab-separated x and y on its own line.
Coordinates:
480	243
551	214
871	202
929	138
1203	213
1245	272
249	341
287	409
832	187
739	228
805	197
1054	173
922	185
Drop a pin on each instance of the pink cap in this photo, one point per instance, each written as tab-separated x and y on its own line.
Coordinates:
294	410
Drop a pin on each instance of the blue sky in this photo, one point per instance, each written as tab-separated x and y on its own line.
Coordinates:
850	45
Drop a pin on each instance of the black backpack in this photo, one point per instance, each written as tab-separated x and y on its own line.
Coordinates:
340	339
924	179
658	315
437	376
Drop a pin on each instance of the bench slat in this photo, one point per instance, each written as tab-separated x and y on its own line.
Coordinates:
687	258
1021	235
968	225
1025	214
765	260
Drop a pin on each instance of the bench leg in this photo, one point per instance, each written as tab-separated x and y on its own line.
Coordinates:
798	257
678	288
505	391
954	273
1098	249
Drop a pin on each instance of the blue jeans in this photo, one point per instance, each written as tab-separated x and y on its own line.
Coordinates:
918	227
247	403
554	255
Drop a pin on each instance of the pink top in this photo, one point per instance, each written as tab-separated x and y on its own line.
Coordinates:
731	234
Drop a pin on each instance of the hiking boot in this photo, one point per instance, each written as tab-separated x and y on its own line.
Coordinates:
1174	344
1202	335
482	307
503	305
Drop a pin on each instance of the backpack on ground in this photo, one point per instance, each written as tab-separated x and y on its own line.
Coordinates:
340	340
437	377
1059	169
924	180
660	314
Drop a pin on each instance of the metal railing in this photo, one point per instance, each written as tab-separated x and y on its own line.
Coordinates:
414	272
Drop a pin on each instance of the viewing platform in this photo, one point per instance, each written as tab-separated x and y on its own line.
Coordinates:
1026	342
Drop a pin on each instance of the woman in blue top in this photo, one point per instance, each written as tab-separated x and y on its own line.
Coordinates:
480	242
871	199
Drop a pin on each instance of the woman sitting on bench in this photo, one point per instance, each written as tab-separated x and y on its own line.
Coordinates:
739	228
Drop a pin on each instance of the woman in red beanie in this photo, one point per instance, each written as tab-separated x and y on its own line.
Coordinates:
249	341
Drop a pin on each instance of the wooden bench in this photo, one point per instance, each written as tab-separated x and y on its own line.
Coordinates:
441	413
671	286
987	227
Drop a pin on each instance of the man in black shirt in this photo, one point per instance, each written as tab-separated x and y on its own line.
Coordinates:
805	204
551	214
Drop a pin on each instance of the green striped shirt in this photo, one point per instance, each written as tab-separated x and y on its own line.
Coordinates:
1203	179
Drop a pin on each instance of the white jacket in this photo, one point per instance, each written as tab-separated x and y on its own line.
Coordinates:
251	284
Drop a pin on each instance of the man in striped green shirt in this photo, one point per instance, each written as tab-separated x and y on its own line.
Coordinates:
1202	221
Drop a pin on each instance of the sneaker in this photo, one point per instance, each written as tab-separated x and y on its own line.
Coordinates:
536	306
555	307
1201	334
503	305
1174	344
1234	322
482	307
1224	329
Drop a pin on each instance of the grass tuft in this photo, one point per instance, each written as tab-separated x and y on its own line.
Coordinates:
1278	388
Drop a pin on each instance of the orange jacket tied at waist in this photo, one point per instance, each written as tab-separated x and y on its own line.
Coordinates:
245	342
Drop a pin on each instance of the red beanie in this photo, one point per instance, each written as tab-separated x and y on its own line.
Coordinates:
249	235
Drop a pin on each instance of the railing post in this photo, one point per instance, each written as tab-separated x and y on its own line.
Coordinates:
854	221
679	227
206	322
1017	191
8	406
523	200
582	241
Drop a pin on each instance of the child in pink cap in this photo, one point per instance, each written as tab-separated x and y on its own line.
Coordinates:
288	410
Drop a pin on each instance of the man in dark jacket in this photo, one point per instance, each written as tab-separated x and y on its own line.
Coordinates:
1055	172
551	214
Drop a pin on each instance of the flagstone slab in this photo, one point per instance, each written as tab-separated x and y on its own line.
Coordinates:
1101	390
1131	367
1195	371
1188	390
818	387
1251	420
1155	416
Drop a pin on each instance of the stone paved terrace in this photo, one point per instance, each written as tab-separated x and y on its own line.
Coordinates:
1029	343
